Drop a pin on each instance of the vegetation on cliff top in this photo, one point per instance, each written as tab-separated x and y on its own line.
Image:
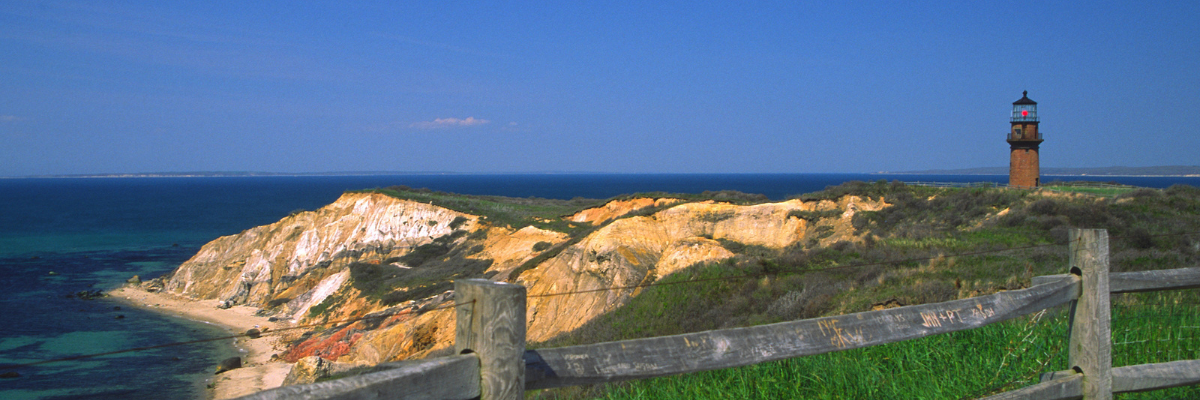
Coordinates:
932	245
547	214
499	210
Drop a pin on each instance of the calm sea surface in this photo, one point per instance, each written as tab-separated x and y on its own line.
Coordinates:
95	233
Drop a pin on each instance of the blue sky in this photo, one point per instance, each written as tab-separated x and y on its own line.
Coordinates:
687	87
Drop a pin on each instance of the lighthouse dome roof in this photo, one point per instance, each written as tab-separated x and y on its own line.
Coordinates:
1024	99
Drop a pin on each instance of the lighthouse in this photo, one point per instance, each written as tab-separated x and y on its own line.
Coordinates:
1023	142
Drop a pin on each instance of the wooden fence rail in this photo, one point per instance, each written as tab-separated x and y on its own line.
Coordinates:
726	348
493	363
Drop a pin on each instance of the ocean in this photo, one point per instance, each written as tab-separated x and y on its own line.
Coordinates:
61	236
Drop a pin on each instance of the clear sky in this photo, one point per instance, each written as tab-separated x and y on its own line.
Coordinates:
687	87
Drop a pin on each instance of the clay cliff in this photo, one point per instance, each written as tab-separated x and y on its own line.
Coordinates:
371	254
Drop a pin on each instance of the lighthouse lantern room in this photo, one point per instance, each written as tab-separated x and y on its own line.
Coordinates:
1024	140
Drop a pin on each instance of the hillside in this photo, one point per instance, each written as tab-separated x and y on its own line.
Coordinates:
931	245
395	252
854	247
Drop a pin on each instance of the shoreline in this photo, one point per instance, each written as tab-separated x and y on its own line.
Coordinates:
258	372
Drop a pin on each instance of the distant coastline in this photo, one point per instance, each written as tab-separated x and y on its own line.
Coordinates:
1169	170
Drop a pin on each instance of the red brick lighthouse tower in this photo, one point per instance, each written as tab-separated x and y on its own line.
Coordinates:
1024	139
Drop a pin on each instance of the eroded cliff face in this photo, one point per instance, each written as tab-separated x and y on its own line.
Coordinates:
306	253
372	254
637	250
618	208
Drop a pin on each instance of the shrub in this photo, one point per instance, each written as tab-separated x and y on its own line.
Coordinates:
733	196
431	267
814	216
1139	238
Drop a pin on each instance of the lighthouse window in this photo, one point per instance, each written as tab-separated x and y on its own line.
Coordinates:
1017	133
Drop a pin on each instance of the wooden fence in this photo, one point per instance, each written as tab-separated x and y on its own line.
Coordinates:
492	362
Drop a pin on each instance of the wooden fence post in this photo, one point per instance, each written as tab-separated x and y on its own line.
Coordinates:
490	322
1090	350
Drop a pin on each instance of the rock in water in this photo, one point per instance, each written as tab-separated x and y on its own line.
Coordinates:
134	280
228	364
10	375
89	294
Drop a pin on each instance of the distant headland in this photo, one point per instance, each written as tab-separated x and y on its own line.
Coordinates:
1169	170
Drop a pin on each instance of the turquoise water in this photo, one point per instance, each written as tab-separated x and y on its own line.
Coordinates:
41	323
96	233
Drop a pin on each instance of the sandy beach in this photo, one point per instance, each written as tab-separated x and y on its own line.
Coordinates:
258	372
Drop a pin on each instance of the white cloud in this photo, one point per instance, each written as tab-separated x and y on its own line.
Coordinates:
443	123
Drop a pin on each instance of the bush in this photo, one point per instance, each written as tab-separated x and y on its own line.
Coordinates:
1044	207
733	196
1139	238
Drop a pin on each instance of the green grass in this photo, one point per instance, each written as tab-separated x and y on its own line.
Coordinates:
1093	188
965	364
324	306
1095	191
949	366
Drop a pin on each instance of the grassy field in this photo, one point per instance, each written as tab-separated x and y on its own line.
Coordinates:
933	245
1092	188
1095	191
967	364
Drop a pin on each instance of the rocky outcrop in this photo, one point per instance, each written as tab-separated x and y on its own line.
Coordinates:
305	254
636	250
391	260
618	208
308	370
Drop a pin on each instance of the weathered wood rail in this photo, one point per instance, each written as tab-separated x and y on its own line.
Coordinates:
493	364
